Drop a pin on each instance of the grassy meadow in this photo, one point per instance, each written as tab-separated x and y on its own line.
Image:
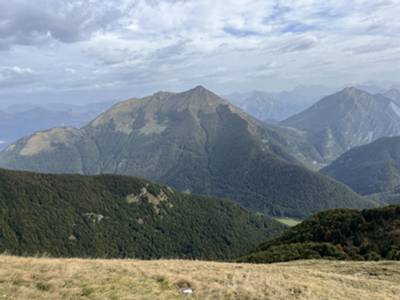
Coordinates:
288	221
47	278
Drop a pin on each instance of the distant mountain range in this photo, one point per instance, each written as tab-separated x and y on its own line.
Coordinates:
273	107
369	169
17	121
337	234
194	141
115	216
342	121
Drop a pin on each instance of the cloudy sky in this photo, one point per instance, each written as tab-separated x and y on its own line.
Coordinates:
94	50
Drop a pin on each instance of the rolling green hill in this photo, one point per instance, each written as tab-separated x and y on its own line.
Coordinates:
117	216
337	234
194	141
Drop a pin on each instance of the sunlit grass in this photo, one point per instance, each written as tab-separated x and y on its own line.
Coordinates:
45	278
288	221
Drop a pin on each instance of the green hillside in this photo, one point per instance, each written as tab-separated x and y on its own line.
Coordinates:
117	216
337	234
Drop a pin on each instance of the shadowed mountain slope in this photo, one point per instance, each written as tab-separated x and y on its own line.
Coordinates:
368	169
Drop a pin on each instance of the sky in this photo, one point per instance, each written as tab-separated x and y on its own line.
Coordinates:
94	50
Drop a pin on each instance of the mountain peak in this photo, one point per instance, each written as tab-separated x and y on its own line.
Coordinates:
352	91
193	141
349	118
126	115
196	94
200	88
199	91
161	94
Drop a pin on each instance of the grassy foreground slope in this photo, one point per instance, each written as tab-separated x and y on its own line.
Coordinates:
43	278
118	217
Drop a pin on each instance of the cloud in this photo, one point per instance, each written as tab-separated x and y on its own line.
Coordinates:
16	76
240	32
147	45
25	22
296	43
374	47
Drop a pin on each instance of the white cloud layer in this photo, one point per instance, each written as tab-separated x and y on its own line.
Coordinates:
133	47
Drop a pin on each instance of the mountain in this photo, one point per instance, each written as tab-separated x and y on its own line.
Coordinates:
92	108
345	120
372	87
118	216
18	121
393	94
369	169
194	141
337	234
272	107
264	106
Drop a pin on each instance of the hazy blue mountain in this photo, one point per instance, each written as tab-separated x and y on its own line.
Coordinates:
271	107
345	120
21	120
372	87
261	105
393	94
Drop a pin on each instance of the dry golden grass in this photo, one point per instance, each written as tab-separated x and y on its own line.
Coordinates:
45	278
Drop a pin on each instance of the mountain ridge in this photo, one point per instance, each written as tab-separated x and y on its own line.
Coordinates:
194	141
346	119
272	107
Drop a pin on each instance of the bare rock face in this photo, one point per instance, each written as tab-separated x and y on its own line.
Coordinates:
145	195
194	141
